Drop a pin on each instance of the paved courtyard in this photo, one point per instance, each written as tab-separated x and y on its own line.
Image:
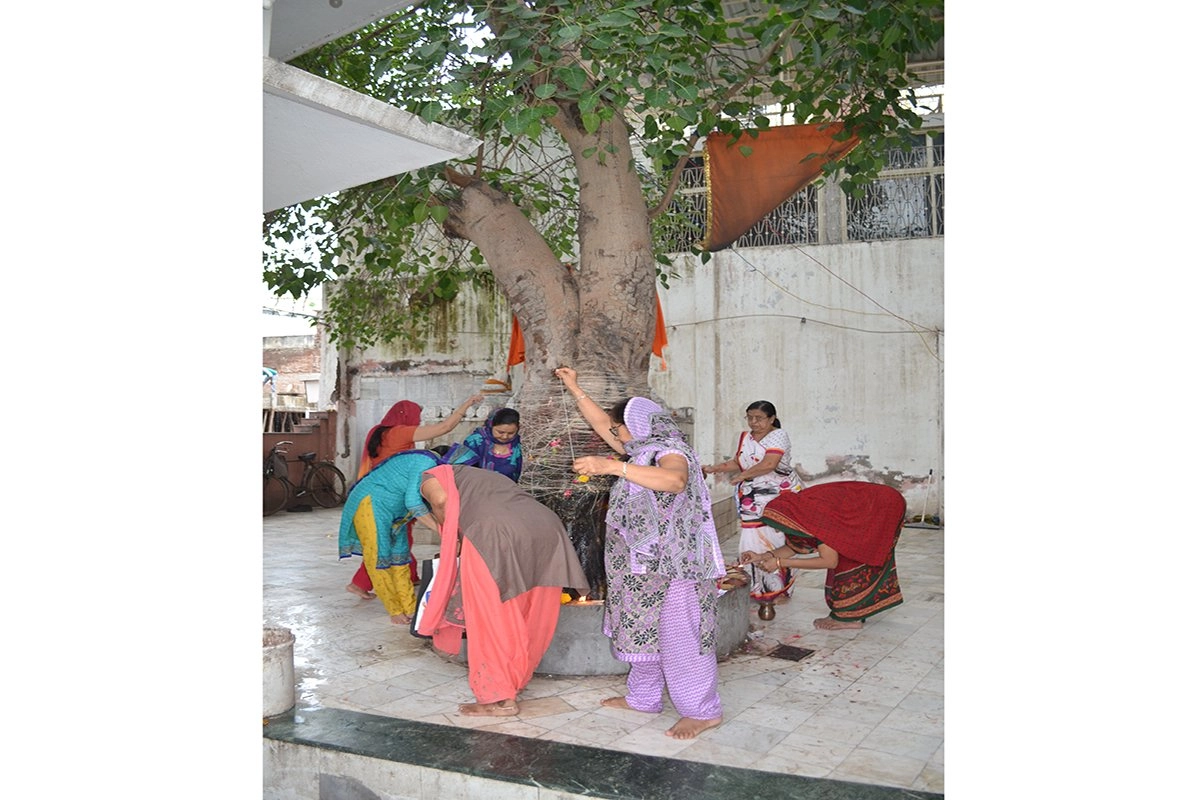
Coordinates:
864	706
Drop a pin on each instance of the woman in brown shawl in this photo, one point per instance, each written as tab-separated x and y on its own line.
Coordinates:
505	588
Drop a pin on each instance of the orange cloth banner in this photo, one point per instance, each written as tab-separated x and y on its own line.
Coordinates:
742	189
516	344
660	333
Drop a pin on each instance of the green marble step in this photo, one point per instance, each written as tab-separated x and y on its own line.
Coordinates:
573	769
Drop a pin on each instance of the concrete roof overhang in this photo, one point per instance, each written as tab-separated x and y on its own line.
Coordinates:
320	137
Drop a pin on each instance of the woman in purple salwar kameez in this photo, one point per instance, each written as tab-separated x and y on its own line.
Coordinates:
662	559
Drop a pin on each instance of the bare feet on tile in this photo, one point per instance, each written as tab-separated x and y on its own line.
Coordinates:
501	708
828	624
358	590
688	728
401	619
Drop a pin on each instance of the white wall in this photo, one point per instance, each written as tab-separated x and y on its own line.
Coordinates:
858	391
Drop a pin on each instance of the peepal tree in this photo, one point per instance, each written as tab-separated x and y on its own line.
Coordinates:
588	112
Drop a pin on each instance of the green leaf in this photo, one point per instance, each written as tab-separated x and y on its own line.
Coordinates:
657	96
545	91
591	122
617	19
513	124
572	76
568	33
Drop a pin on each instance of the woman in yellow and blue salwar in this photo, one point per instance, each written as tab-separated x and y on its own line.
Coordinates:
374	518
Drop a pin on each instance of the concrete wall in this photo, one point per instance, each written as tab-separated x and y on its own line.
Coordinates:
466	345
832	335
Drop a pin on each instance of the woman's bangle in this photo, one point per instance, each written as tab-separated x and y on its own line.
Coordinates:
625	469
581	395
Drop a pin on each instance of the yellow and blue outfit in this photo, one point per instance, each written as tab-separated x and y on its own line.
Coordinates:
373	525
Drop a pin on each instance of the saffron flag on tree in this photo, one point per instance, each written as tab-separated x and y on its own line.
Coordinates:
516	345
744	187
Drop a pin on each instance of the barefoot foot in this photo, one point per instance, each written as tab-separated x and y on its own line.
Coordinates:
501	708
358	590
688	728
828	624
401	619
621	702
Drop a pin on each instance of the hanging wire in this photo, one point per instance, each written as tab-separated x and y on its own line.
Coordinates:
920	330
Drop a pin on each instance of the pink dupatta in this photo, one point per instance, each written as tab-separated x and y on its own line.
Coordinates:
446	635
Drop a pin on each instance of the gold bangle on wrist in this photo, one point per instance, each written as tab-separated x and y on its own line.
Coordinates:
625	470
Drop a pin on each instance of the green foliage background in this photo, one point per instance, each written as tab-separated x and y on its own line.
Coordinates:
502	70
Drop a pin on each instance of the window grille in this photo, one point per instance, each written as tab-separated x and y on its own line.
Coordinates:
907	201
684	223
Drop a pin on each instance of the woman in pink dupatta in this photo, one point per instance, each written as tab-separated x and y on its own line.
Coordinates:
505	588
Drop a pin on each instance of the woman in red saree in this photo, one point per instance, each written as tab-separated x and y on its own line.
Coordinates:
853	526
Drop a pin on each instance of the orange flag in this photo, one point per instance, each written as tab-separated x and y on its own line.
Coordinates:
742	189
660	333
516	345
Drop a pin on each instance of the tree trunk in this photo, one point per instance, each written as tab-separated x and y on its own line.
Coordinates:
597	316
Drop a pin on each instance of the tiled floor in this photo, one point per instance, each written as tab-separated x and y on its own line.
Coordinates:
866	706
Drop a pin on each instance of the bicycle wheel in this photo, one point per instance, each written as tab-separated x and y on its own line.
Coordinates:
276	493
326	484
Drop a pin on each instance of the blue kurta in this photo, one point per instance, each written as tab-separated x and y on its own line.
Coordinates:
394	487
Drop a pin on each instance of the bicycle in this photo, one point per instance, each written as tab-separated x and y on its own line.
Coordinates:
322	481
